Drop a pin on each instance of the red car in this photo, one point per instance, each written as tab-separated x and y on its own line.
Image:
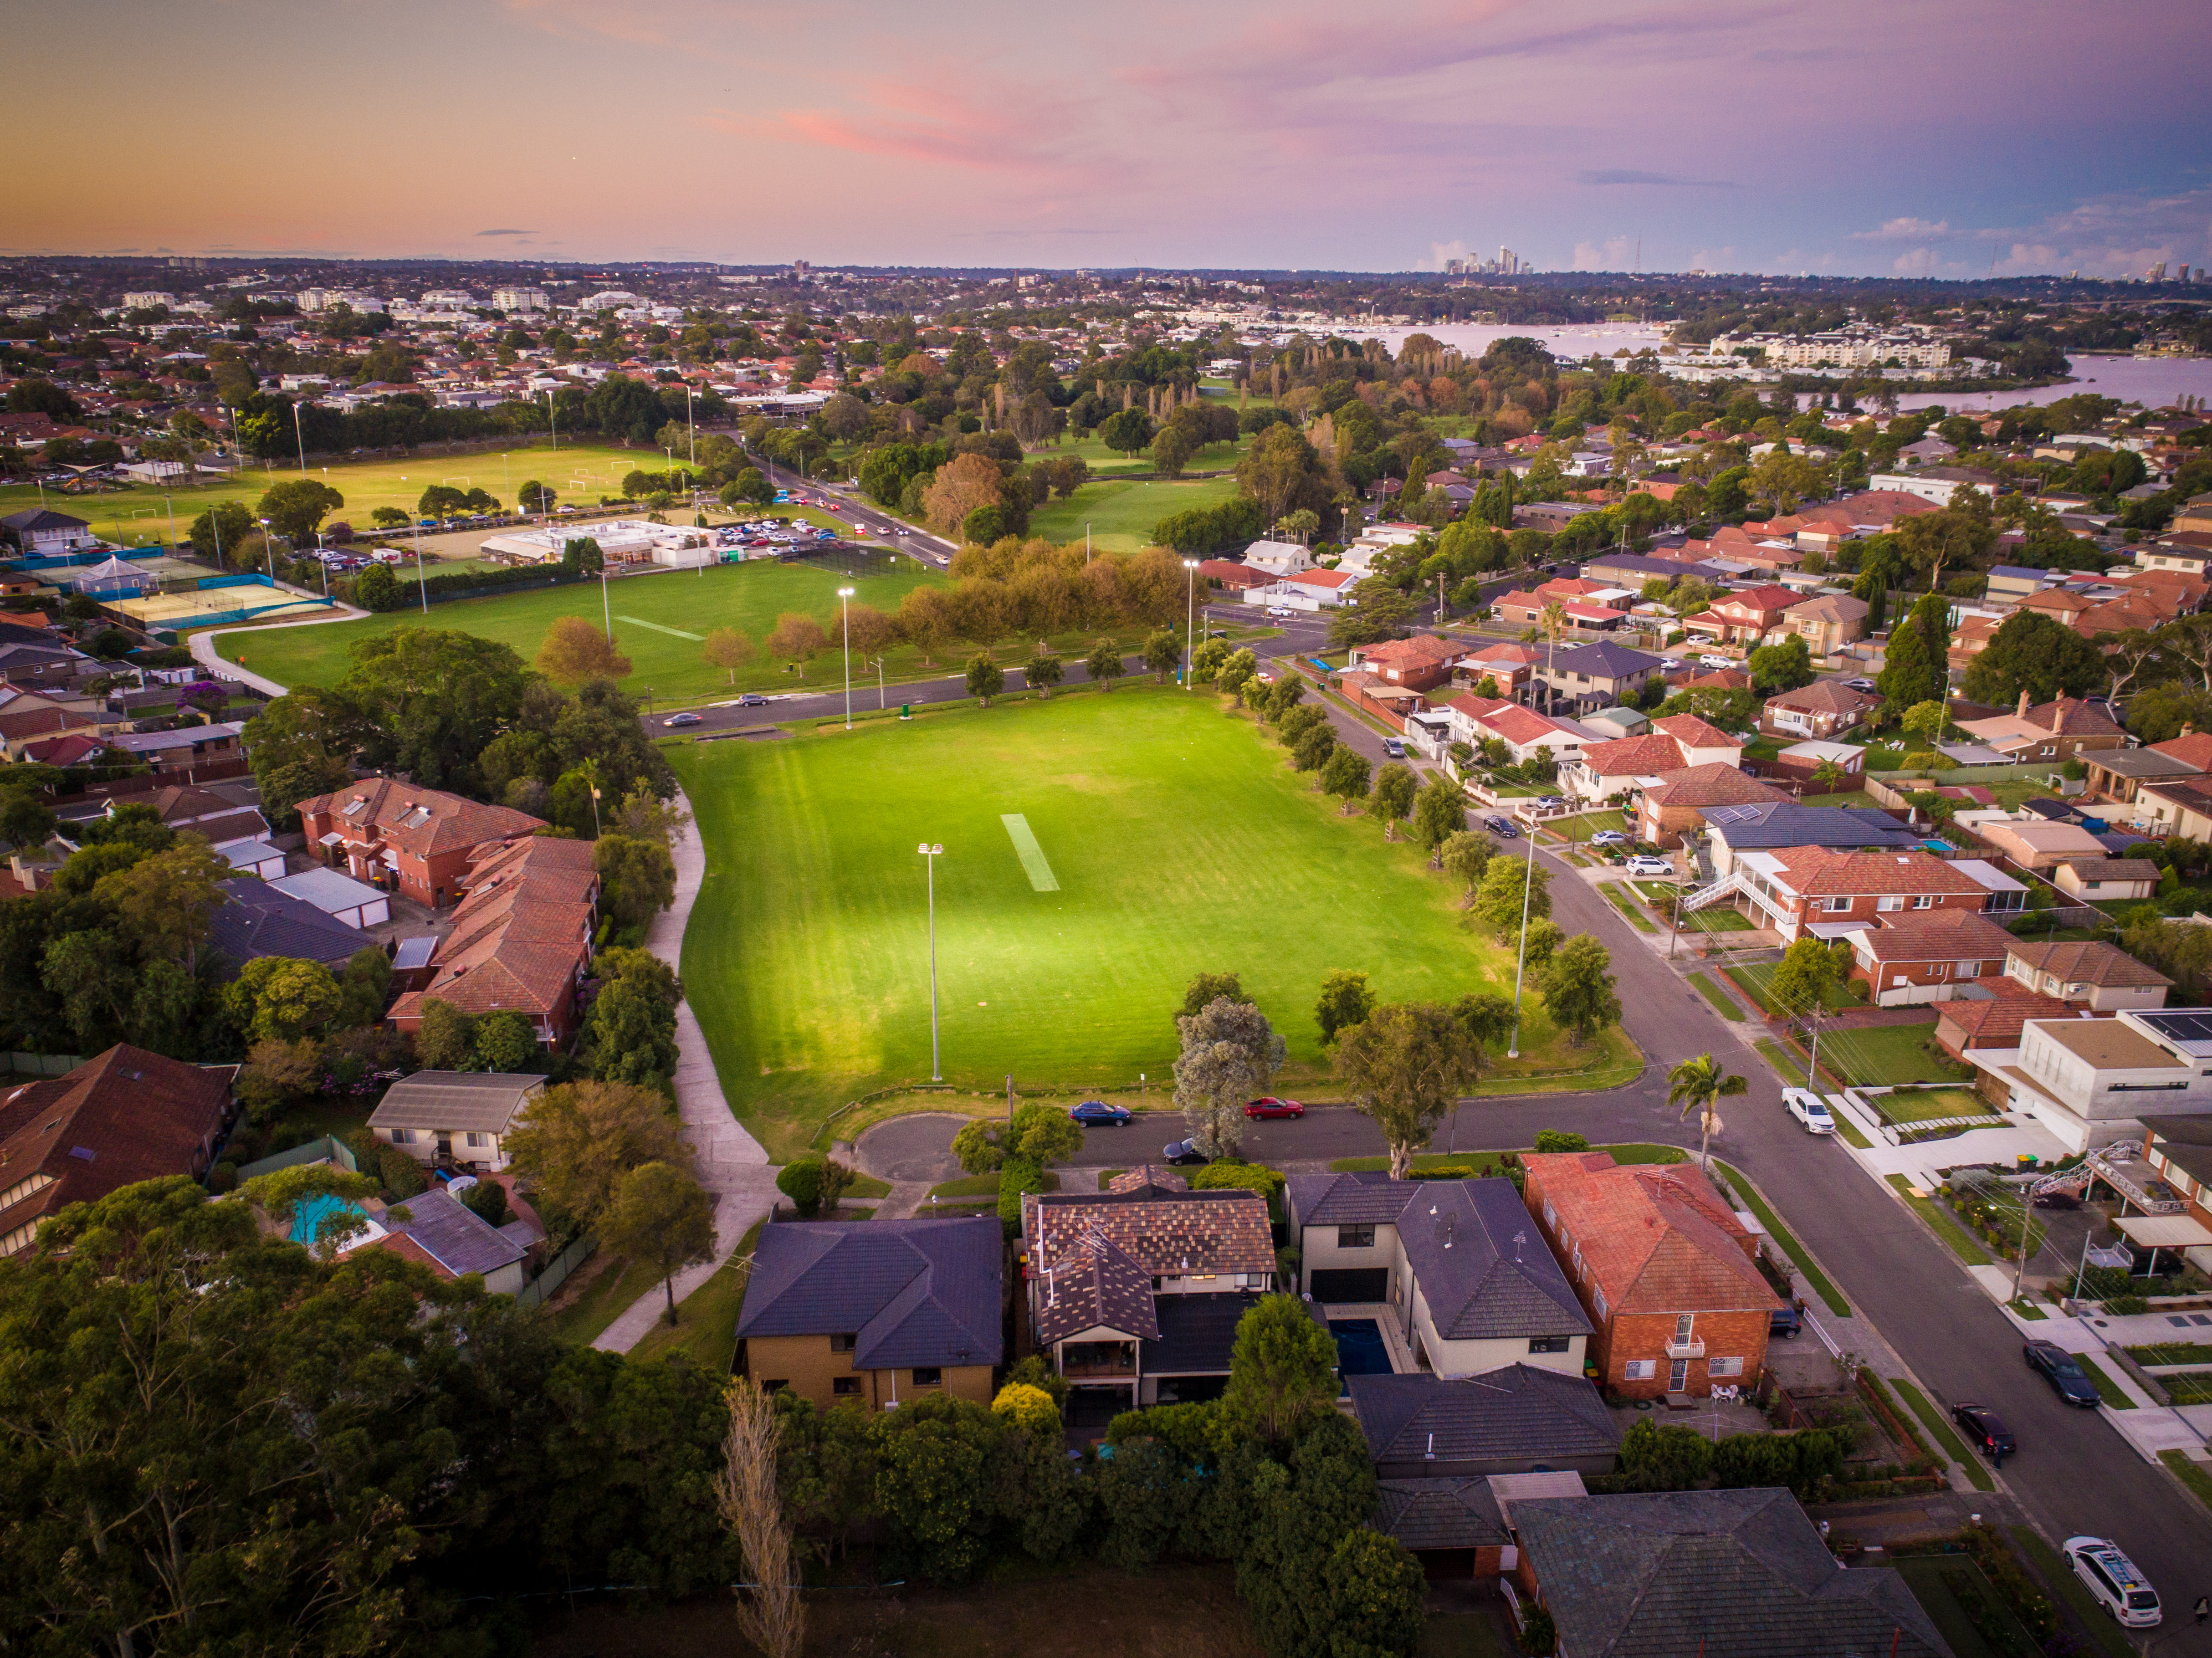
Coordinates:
1271	1107
831	506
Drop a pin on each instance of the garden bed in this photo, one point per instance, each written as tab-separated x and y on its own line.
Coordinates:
1911	1105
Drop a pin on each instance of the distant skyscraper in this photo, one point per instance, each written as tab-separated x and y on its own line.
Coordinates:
2156	273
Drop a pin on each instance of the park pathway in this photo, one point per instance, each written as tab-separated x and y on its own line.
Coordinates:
732	1165
207	652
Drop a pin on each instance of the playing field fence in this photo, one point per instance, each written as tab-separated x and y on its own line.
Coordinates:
844	558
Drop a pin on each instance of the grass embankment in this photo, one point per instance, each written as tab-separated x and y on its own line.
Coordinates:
2191	1474
1488	1162
1626	905
706	1330
1100	851
1939	1426
1722	1002
2058	1577
1941	1221
604	1297
984	1185
1817	1281
1123	512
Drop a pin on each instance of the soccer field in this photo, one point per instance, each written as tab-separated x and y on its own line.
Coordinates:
659	622
1099	851
1122	514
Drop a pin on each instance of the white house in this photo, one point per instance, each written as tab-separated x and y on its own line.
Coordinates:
461	1117
2089	1079
1279	558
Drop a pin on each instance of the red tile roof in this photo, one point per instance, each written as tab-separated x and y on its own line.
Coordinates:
2191	748
2089	963
1996	1023
1634	756
124	1116
1694	734
1816	872
1715	784
1656	1238
420	820
1956	934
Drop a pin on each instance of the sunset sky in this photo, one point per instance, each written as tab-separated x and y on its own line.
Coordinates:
1868	139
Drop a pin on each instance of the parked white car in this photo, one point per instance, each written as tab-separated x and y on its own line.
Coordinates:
2113	1581
1646	864
1809	1109
1710	660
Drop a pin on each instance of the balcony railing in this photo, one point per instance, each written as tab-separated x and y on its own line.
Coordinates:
1685	1349
1124	1369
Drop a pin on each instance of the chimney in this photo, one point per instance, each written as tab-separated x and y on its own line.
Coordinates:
2020	713
2188	730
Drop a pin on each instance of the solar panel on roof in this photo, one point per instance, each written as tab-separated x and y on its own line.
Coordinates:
2188	1025
1719	814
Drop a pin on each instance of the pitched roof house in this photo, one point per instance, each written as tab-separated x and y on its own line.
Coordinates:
1466	1287
1806	890
1681	801
1910	957
1513	1420
1821	710
1416	663
2049	730
419	841
1992	1021
121	1117
1136	1293
874	1313
1663	1267
1775	825
1744	617
1678	743
1731	1574
521	937
451	1118
2088	973
255	920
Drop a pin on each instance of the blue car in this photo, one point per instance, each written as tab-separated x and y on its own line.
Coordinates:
1098	1114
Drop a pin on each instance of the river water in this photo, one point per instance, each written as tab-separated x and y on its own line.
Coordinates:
2154	382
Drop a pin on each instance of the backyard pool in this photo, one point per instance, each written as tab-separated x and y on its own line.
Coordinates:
307	1220
1359	1348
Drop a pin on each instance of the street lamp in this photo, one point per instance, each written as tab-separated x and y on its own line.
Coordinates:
269	551
930	854
845	608
882	701
299	438
1190	618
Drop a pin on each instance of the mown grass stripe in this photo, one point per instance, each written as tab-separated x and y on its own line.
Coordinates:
1034	864
655	627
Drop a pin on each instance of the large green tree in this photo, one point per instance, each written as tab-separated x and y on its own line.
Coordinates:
662	1218
1405	1065
1917	665
1229	1051
295	509
2033	653
1578	987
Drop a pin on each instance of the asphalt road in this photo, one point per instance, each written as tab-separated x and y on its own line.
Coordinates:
2073	1474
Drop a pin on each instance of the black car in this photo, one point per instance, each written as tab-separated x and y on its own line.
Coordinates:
1783	1321
1985	1431
1183	1154
2063	1374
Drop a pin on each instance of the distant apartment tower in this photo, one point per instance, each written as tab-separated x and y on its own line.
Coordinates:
448	296
146	300
2156	273
518	299
1507	263
799	268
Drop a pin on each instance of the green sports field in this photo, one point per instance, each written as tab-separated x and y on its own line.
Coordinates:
1122	514
582	472
1099	850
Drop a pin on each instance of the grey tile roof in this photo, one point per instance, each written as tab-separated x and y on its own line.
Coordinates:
1439	1513
1735	1574
1517	1412
1603	661
915	1291
1774	824
256	920
1197	1333
459	1241
483	1102
1483	1268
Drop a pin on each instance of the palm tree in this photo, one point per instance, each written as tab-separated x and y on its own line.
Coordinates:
1828	774
1700	1085
1555	623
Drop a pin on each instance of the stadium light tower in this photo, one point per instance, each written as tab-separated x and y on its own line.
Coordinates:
845	608
930	854
1190	617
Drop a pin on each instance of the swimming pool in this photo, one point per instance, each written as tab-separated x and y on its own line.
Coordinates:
307	1220
1359	1347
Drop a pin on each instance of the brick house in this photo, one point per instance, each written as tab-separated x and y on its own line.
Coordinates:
1802	890
124	1116
1596	675
2087	975
2050	731
404	838
1677	802
1822	710
1744	618
521	939
1525	732
1663	1267
1828	622
1679	743
872	1315
1928	955
1418	664
1991	1023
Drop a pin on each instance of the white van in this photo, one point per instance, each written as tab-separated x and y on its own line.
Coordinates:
1283	610
2113	1581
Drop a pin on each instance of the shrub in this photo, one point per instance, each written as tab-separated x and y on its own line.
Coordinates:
801	1183
1446	1171
222	1178
1034	1372
2126	1306
1539	1635
1554	1139
402	1175
1016	1176
1998	1564
487	1201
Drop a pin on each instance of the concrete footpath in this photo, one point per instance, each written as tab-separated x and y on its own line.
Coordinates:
731	1163
207	647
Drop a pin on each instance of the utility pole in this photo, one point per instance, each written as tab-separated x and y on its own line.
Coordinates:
1520	964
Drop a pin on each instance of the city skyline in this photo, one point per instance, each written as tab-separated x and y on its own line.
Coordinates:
1884	141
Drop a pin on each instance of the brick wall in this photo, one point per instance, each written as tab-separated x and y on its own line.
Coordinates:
810	1369
1626	1336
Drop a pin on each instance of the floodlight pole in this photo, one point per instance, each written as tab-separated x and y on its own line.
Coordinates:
930	854
607	605
1520	966
1190	620
845	607
268	550
301	439
689	428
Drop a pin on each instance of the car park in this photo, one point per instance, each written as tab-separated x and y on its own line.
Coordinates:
2065	1376
1809	1109
1608	838
1100	1113
1183	1154
1985	1430
1645	864
2113	1581
686	719
1271	1107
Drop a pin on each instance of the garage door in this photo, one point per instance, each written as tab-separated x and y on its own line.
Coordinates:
1351	1284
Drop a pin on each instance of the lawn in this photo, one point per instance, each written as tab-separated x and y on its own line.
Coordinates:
1121	513
1929	1104
123	515
1887	1055
706	1330
2172	1352
1752	981
659	620
1713	917
2189	1387
1627	906
608	1293
1100	851
1930	1577
1942	1221
1726	1003
2191	1474
1581	826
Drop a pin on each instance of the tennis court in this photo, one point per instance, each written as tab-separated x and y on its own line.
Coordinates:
206	607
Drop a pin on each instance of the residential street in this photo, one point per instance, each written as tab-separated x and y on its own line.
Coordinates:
2074	1474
